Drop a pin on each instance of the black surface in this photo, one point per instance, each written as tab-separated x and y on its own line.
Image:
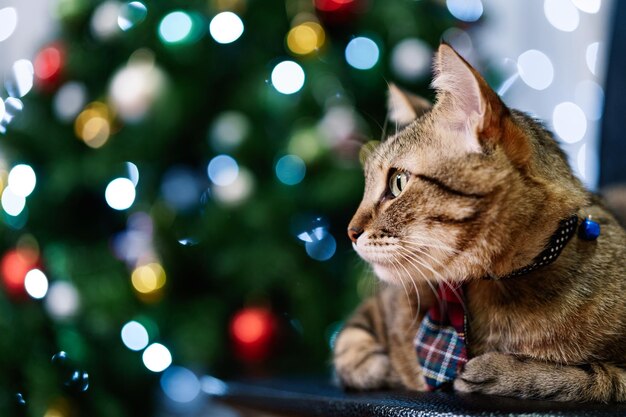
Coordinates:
613	145
315	398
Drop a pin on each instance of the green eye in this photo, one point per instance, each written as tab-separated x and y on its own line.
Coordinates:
397	182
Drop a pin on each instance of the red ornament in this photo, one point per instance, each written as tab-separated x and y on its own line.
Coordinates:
14	266
253	331
48	65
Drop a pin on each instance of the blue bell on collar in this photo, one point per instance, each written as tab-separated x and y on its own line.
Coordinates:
588	229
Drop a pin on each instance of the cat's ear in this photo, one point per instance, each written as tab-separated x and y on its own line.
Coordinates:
467	104
404	107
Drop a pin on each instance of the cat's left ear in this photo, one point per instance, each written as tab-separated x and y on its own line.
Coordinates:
467	104
404	107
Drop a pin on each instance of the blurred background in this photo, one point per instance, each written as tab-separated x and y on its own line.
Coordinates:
177	177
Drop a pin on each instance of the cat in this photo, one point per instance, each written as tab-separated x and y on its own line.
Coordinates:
463	198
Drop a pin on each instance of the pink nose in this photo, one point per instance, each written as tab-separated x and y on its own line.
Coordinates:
354	233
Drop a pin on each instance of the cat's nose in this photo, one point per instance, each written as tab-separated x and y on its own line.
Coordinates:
354	233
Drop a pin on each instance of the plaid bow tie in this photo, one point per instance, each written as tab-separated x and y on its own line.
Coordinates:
440	340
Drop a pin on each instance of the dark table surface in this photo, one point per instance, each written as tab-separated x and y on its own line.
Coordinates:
309	397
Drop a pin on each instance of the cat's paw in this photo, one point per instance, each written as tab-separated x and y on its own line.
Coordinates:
492	373
360	361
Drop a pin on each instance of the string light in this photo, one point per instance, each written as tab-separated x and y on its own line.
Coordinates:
180	27
12	203
306	38
362	53
148	278
22	180
238	191
157	357
223	170
131	14
180	384
562	14
569	122
226	27
135	336
36	284
8	22
120	194
48	63
20	79
411	59
69	100
104	20
93	125
63	300
290	169
288	77
535	69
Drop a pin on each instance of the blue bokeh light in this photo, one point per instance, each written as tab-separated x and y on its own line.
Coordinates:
322	249
175	27
290	169
223	170
180	384
362	53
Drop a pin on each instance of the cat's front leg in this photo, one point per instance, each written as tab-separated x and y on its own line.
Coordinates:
508	375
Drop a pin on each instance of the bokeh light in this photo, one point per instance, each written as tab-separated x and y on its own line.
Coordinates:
459	39
157	357
588	6
213	386
135	336
14	266
288	77
411	59
2	110
120	194
238	191
8	22
180	384
148	278
104	20
93	125
562	14
591	57
535	69
180	188
22	180
36	284
362	53
131	14
229	130
69	100
465	10
589	95
133	172
581	161
569	122
321	249
252	330
48	63
135	87
290	169
63	300
20	79
306	38
306	143
12	204
226	27
179	27
12	108
223	170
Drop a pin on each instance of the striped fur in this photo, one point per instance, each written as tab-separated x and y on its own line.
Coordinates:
487	188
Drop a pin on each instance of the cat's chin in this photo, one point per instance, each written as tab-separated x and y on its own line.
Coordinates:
384	274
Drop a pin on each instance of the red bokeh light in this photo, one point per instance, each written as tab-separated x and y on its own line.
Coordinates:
48	64
14	266
253	331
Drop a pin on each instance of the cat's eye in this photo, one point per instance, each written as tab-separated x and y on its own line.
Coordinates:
397	182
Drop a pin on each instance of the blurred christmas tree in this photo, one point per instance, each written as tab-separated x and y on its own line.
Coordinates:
176	187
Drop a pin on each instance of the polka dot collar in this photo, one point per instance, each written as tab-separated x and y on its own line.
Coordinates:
567	229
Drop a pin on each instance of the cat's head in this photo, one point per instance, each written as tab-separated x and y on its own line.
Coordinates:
463	189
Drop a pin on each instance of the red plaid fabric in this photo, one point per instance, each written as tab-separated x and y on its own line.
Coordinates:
440	340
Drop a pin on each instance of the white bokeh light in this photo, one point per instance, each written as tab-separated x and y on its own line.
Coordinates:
238	191
36	284
104	20
22	180
581	162
569	122
69	100
8	22
288	77
20	79
591	57
588	6
411	59
135	336
226	27
62	300
590	97
12	203
157	357
465	10
120	194
2	109
535	69
562	14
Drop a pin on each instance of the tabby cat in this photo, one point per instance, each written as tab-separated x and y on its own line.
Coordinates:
465	196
